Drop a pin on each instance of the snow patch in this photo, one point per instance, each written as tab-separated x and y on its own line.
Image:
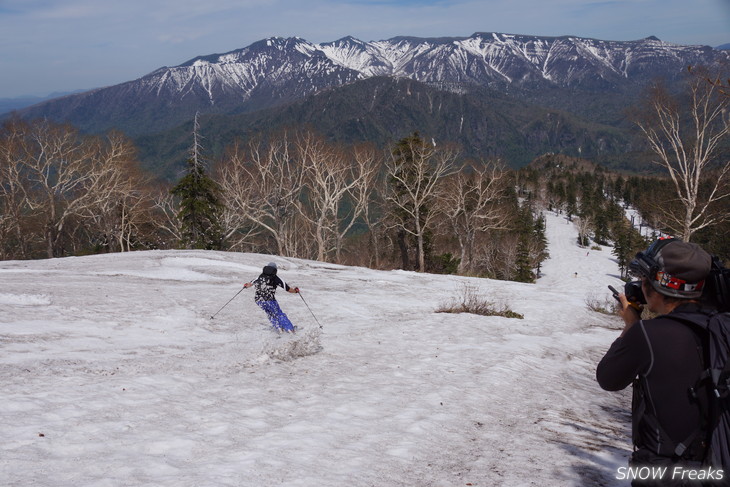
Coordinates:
118	359
24	299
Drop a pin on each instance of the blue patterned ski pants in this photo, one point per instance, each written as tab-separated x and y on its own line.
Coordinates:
276	316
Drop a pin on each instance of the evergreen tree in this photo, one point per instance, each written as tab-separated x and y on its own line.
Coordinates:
601	231
524	266
627	243
541	239
200	209
571	200
530	245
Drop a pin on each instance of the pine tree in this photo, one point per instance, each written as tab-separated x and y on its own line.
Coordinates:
524	266
601	233
529	245
540	230
626	243
200	209
571	199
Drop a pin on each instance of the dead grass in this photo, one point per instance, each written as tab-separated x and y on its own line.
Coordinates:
470	300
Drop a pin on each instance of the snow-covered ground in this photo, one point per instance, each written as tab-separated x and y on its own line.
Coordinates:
113	374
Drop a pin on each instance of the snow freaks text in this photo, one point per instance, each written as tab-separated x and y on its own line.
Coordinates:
666	473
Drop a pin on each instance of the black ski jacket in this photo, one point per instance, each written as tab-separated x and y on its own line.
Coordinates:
266	285
662	357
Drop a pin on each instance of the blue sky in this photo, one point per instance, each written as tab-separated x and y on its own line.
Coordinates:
60	45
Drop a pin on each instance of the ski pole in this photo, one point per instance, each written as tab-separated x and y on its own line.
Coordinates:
310	309
229	301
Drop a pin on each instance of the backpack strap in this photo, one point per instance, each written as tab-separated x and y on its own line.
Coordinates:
714	381
645	410
719	377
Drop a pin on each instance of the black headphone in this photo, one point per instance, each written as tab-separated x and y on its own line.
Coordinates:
645	263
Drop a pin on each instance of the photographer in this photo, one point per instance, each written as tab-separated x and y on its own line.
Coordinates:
662	357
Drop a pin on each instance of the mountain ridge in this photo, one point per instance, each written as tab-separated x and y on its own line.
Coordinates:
485	123
594	79
277	70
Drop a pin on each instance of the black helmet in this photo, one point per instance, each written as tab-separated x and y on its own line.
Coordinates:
270	269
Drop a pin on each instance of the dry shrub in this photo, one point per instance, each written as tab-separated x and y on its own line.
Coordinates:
470	300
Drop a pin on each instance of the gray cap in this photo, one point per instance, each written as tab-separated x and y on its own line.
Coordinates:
683	267
271	264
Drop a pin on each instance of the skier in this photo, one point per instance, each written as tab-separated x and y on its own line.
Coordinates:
266	285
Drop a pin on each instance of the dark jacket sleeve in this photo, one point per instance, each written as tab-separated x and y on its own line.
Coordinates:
627	357
281	284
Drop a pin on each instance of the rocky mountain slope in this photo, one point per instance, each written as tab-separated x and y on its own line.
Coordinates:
275	71
484	123
513	96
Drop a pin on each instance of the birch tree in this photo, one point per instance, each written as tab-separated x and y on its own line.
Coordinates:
686	139
262	183
365	193
13	191
416	171
165	208
117	195
64	188
65	177
338	186
471	204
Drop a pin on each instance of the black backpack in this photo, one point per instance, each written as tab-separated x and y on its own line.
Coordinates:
712	389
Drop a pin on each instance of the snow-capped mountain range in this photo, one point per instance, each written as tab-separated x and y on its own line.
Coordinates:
480	59
279	70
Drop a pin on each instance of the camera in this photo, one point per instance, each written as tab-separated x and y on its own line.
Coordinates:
633	292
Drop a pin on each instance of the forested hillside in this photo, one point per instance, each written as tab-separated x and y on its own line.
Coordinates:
416	203
415	206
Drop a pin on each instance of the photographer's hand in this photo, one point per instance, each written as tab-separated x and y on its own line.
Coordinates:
628	312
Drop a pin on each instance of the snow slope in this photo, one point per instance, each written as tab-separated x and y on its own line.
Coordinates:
113	374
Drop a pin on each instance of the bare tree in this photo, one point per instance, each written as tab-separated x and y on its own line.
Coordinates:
13	189
165	208
332	178
687	140
115	195
416	171
237	195
471	204
327	182
263	184
363	194
66	188
61	169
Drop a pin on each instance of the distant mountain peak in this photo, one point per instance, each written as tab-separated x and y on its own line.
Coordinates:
278	70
